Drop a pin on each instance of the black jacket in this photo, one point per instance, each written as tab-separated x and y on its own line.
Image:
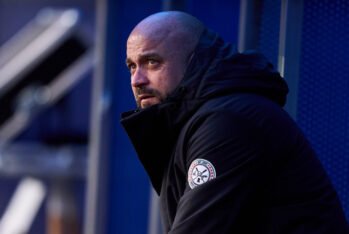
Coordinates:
226	158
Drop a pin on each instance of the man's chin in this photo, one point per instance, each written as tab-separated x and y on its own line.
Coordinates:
145	103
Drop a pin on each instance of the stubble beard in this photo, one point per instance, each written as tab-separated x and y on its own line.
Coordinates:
148	91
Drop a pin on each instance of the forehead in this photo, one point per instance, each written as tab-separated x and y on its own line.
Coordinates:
139	43
137	46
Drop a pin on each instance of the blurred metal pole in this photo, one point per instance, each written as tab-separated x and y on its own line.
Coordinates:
99	142
154	219
173	5
290	49
61	209
249	24
23	206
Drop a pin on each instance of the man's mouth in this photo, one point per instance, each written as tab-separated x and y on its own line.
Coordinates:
144	96
147	97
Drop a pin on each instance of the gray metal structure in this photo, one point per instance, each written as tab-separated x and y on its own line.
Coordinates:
250	16
41	39
290	49
289	40
99	149
172	5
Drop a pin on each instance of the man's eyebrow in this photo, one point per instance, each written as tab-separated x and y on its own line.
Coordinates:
144	57
149	55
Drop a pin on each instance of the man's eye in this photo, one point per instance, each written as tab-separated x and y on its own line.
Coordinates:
152	62
131	67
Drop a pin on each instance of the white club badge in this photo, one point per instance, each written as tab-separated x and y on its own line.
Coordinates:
200	171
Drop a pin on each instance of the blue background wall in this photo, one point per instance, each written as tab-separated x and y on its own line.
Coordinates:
324	87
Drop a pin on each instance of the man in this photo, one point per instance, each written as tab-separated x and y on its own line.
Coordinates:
211	133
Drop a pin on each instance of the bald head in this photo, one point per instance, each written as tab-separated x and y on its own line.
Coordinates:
158	51
178	27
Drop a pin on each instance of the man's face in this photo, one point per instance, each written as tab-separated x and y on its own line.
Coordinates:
156	66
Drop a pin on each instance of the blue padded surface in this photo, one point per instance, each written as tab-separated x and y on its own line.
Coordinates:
323	102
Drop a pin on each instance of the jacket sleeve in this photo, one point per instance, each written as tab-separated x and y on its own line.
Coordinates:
238	195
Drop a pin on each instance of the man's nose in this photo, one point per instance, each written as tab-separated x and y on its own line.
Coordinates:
139	78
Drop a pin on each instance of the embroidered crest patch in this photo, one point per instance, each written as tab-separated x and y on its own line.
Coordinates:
200	171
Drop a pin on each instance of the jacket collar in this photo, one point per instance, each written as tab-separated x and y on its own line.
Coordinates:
153	132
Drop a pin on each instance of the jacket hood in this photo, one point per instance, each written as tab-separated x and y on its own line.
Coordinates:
216	69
